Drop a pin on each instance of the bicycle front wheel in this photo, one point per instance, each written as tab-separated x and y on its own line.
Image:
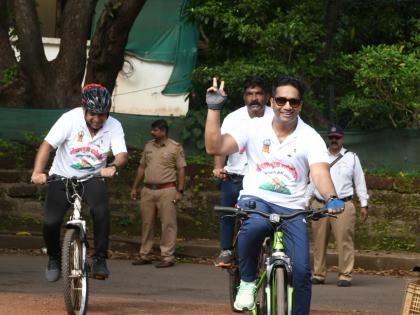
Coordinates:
280	302
74	272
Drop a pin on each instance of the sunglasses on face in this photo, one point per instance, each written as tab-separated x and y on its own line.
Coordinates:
293	102
334	138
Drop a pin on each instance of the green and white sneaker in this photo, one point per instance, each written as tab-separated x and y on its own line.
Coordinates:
245	299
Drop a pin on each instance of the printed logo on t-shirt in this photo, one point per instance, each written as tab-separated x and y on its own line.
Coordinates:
79	136
86	158
266	146
281	176
83	165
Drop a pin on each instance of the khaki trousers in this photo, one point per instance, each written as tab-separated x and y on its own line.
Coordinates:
343	231
158	202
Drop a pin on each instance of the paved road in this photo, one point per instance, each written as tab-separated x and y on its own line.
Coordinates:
141	289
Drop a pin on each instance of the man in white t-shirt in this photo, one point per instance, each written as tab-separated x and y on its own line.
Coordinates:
280	156
83	138
256	96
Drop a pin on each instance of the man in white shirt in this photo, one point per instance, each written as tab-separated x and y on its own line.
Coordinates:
280	155
256	96
345	169
83	138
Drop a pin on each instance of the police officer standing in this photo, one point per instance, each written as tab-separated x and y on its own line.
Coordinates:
163	167
345	169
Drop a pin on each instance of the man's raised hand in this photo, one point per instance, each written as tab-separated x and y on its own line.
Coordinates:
216	96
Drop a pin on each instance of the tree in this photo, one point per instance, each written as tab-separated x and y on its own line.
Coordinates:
307	39
32	80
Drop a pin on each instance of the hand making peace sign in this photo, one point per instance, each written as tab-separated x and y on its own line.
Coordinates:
216	96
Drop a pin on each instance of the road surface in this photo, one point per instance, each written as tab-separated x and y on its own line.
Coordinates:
183	289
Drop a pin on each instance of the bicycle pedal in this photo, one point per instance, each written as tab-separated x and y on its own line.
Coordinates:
99	277
225	266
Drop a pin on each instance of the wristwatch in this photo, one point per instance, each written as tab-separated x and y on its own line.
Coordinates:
181	191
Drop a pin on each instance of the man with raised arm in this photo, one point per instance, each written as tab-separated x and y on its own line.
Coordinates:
82	138
280	156
256	96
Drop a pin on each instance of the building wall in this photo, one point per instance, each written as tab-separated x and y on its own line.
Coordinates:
139	86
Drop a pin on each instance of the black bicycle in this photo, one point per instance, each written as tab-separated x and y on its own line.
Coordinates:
274	280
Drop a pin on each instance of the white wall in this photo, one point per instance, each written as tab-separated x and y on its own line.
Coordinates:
138	87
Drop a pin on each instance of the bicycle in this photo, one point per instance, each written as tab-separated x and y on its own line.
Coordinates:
74	264
274	280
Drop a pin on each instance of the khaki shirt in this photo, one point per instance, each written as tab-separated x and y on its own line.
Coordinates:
161	161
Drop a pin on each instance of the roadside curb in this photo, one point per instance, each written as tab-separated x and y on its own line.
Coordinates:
368	260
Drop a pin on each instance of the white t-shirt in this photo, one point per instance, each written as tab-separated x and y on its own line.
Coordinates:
237	162
278	172
79	154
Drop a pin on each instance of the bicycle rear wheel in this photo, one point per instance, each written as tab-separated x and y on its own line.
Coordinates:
234	281
234	275
74	273
280	284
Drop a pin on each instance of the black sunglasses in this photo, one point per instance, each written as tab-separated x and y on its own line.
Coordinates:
294	102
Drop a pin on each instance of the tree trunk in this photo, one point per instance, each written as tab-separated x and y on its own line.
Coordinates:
41	83
106	54
33	81
71	60
13	87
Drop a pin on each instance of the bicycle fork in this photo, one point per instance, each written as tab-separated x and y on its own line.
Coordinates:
277	260
77	223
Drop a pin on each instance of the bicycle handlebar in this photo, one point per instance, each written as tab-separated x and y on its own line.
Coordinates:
314	214
232	177
54	178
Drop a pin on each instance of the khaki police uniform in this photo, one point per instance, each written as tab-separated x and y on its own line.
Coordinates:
344	173
161	162
342	228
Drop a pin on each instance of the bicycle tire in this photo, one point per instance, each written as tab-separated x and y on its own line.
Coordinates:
234	275
280	285
234	281
74	274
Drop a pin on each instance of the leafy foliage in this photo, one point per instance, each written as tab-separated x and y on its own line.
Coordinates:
9	74
372	57
386	87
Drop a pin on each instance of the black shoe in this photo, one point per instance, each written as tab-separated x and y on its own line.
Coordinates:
99	269
164	264
53	271
318	281
141	261
224	259
343	283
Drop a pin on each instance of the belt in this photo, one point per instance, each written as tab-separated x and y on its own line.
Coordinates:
345	199
160	186
235	178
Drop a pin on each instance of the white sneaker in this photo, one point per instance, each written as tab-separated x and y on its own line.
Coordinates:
245	299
